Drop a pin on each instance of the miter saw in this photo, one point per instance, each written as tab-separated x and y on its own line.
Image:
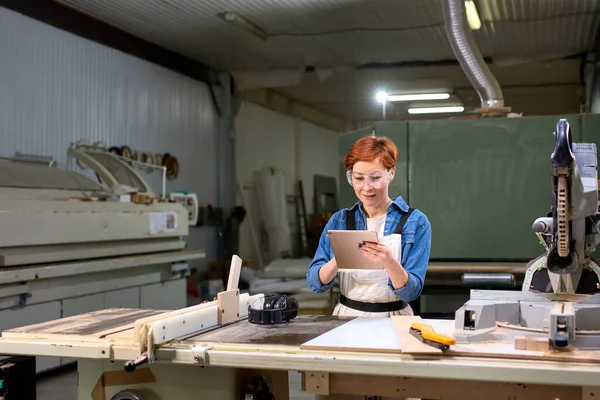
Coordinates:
560	297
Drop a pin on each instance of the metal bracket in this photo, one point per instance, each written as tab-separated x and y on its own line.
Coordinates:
199	353
562	324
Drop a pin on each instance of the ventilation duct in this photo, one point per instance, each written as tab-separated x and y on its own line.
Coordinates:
468	55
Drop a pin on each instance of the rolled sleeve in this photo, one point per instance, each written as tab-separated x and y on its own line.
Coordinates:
322	256
415	264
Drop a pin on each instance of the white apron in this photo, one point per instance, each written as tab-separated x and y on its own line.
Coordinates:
368	286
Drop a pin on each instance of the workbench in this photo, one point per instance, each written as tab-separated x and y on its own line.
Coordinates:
220	362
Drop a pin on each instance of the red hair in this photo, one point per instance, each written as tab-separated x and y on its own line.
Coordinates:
372	148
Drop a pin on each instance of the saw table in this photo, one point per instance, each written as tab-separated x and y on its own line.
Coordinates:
221	362
211	350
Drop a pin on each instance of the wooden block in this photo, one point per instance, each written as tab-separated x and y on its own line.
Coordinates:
531	345
520	343
234	273
542	344
408	343
228	306
316	382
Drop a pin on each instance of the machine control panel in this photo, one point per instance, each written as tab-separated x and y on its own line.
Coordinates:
189	201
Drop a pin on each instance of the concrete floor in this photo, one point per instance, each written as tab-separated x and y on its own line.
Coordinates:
61	384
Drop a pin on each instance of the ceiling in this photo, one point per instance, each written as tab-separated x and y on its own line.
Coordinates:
334	54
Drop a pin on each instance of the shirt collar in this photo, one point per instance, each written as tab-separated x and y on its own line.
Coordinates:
400	203
397	202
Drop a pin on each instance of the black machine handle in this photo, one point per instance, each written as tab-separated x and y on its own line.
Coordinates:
130	366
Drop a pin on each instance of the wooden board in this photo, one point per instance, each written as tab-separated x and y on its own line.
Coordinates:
234	273
363	334
373	335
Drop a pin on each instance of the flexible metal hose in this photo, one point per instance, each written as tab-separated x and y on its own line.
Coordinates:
468	55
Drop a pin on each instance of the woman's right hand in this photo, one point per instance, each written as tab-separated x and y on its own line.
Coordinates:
328	271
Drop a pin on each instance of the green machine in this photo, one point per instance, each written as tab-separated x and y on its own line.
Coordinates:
482	183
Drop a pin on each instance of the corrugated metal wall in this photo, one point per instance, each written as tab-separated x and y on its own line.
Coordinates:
57	88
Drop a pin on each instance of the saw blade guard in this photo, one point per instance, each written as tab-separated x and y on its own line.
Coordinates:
570	231
273	309
561	260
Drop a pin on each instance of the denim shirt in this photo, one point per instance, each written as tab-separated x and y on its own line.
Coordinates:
415	244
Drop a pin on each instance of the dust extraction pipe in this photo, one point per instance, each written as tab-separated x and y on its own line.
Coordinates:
468	55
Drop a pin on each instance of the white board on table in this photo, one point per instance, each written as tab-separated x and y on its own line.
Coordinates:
360	334
376	335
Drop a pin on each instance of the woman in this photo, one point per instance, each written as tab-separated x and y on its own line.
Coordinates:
405	239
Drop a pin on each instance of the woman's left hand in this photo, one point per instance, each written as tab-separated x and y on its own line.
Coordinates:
378	252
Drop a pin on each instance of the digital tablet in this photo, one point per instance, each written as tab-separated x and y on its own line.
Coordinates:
346	251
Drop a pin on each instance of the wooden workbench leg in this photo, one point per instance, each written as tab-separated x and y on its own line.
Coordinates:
316	383
590	393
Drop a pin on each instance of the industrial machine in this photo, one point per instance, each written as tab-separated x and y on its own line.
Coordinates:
560	297
71	244
59	215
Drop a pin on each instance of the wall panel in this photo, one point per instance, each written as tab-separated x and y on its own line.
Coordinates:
482	183
57	88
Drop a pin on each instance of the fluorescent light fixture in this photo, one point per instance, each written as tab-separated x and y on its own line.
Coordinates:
472	15
245	24
381	97
436	110
422	96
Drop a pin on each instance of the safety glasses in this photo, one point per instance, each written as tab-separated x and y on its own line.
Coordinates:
377	179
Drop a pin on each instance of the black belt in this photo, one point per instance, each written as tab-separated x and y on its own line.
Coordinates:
373	307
